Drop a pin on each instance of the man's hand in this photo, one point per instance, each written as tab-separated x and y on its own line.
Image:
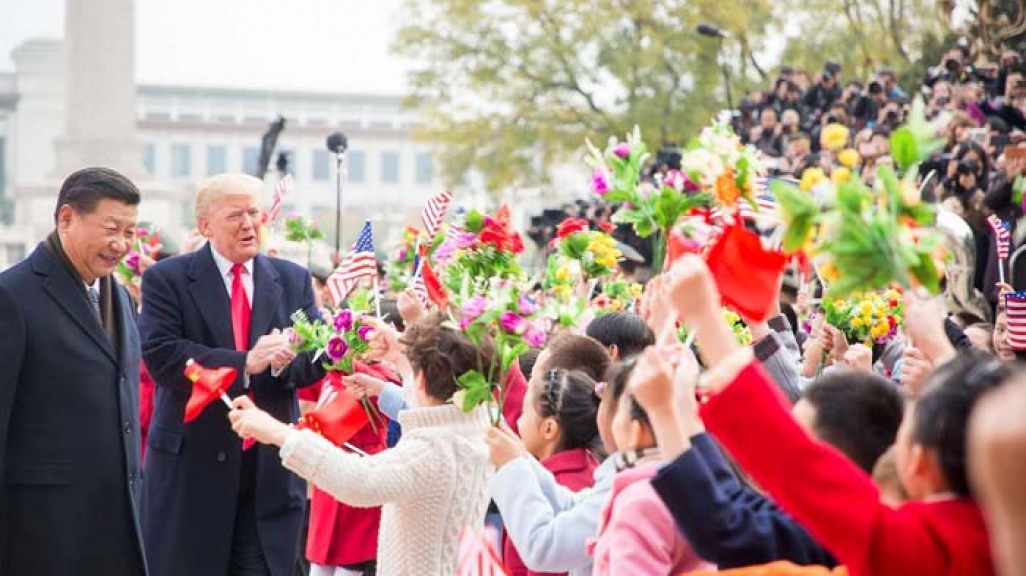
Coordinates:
270	348
384	342
915	367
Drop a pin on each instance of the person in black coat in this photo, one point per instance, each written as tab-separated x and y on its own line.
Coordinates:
69	399
210	507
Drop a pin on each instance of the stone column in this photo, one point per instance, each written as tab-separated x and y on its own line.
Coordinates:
100	90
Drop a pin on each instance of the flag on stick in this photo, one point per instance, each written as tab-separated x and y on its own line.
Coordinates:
359	263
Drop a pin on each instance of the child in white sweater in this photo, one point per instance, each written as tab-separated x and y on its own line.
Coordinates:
431	485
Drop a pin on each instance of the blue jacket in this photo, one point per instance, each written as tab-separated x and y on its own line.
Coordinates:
727	522
194	472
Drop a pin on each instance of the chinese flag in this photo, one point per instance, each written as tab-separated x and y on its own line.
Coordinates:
746	274
678	245
435	290
339	415
208	384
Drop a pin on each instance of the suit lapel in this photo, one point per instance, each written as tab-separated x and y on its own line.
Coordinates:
61	286
267	295
209	295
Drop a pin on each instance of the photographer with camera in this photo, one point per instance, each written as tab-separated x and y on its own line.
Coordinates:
1012	107
768	136
825	92
1000	197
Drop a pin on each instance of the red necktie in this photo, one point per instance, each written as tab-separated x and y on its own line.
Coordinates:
240	309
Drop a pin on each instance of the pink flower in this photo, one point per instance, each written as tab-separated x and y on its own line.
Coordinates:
466	240
445	251
526	305
512	322
344	321
600	183
679	181
465	323
474	307
401	255
622	150
337	348
132	261
364	332
534	335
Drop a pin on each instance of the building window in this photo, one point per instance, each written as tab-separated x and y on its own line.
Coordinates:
390	167
355	160
250	159
150	158
180	165
321	165
425	168
291	161
217	160
3	166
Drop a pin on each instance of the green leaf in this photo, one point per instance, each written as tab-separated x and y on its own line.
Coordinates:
473	221
903	148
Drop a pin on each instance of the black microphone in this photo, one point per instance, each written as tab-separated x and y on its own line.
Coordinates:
711	31
337	142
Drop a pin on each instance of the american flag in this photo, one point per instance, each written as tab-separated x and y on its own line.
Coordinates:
420	291
434	213
1002	236
1015	307
284	187
358	263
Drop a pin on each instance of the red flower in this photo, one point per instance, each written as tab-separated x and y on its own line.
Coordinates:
607	227
498	232
571	226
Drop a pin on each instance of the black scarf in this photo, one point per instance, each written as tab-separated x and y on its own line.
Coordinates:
108	317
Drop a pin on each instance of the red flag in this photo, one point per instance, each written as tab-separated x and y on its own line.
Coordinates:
435	291
208	384
339	415
678	245
747	274
515	388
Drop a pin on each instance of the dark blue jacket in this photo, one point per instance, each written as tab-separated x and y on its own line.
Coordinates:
69	427
193	471
726	522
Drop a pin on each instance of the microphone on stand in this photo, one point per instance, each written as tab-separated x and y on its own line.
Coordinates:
337	143
710	30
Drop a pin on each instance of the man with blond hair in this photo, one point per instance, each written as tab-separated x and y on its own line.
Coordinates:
209	506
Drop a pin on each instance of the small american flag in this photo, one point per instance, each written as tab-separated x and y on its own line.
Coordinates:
1002	236
420	291
358	263
1015	306
284	187
434	213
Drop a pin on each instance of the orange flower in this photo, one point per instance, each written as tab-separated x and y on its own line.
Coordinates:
727	192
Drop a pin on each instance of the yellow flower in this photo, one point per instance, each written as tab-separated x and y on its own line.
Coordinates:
810	178
829	272
849	158
635	290
892	294
857	322
866	308
840	175
563	274
562	291
867	320
834	137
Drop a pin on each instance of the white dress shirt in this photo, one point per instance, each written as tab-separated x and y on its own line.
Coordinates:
224	266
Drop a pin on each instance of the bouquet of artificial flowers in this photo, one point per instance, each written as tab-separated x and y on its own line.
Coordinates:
339	342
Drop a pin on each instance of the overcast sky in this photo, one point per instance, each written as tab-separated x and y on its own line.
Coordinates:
324	45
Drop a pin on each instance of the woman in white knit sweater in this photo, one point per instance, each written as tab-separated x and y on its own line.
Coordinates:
431	485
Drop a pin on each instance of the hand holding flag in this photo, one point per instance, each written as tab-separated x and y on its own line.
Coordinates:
208	384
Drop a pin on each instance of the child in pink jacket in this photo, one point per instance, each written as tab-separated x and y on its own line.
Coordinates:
637	534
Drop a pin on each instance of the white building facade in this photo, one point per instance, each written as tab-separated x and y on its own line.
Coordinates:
187	134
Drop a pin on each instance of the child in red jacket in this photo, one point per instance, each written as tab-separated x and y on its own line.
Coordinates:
940	531
558	426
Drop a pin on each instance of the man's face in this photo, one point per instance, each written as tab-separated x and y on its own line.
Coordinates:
96	241
231	225
768	119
